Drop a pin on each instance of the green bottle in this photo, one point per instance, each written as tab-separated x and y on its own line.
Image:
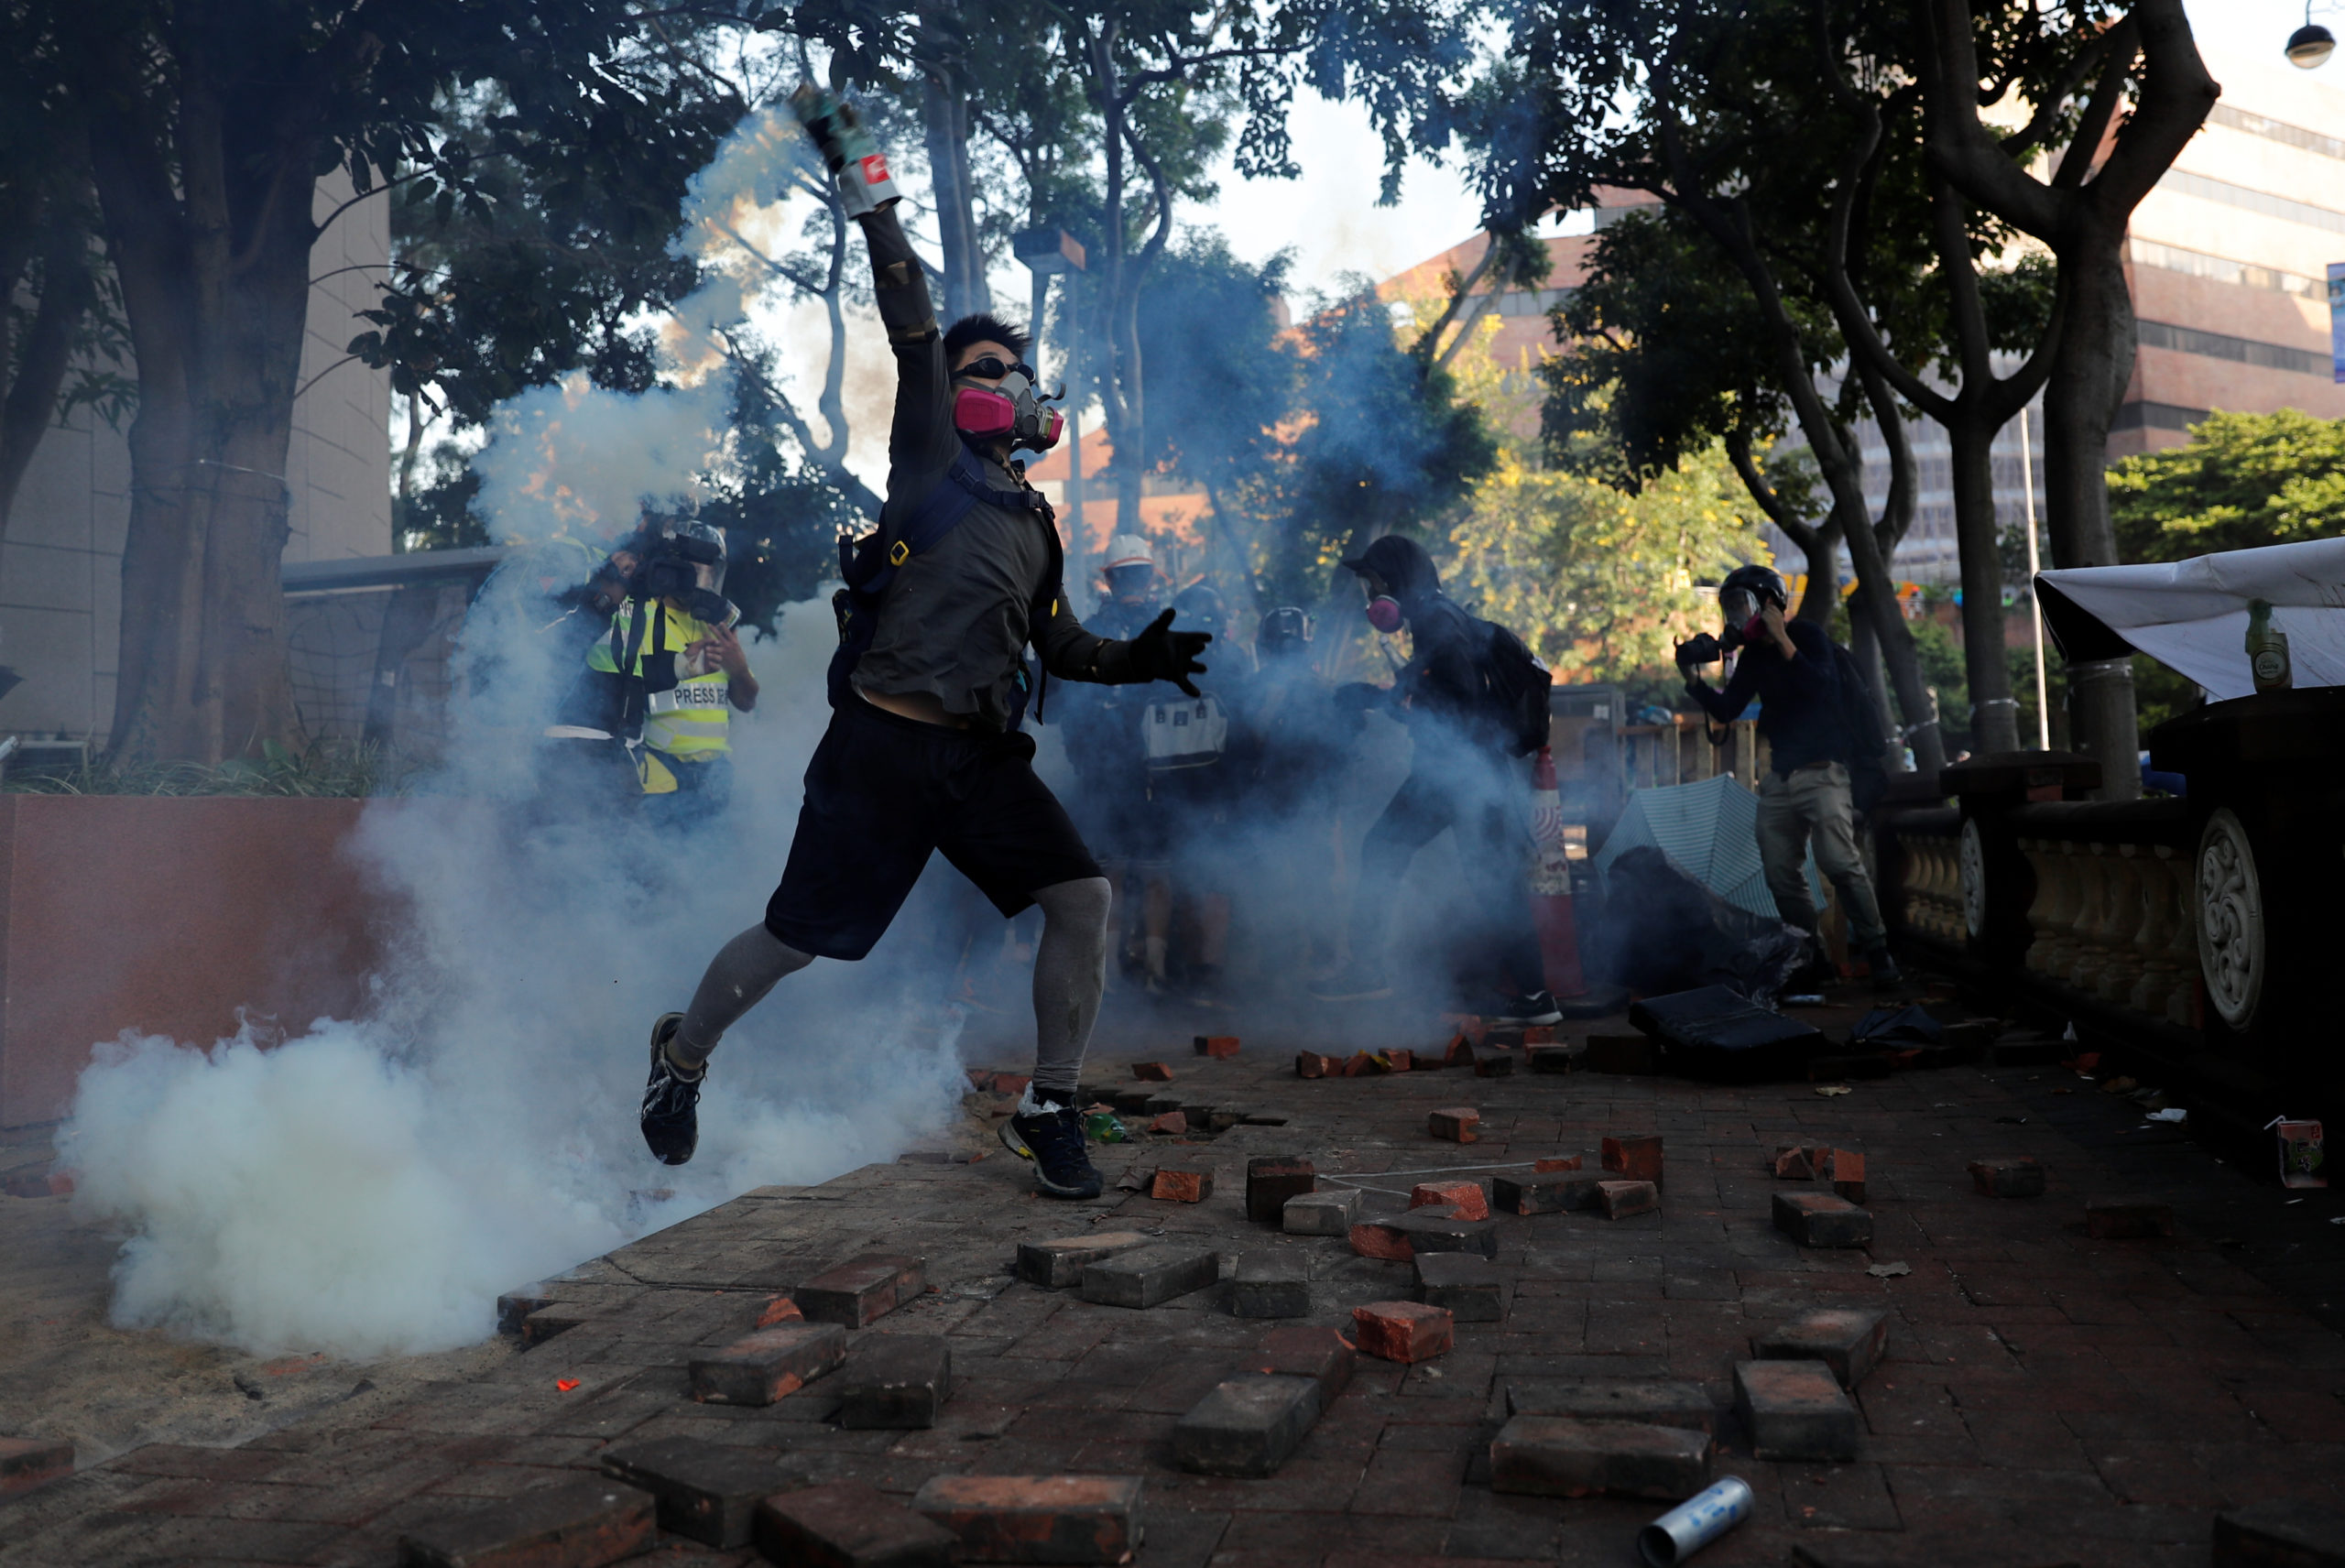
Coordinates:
2267	648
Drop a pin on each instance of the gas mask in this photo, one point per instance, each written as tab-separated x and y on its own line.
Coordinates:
1739	607
1014	409
1384	613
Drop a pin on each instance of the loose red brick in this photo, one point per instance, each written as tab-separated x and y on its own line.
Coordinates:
861	1291
1171	1121
1793	1164
1404	1331
2020	1178
1272	1179
1011	1082
1822	1219
768	1365
1182	1186
1555	1456
1541	1166
1246	1426
1037	1519
1553	1058
1471	1026
1493	1064
1849	1174
1622	1199
1795	1410
1634	1155
1456	1123
30	1461
1398	1061
1382	1239
849	1525
1847	1339
1463	1199
1152	1073
980	1078
1322	1354
1360	1062
1459	1052
1551	1193
584	1525
1058	1265
1311	1065
779	1310
706	1492
2110	1219
514	1307
1217	1045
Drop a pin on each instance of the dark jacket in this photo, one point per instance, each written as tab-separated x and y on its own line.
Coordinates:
1442	680
958	619
1799	698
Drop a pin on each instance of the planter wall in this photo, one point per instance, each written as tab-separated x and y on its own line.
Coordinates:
167	915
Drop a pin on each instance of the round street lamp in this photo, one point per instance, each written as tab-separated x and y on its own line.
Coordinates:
2310	45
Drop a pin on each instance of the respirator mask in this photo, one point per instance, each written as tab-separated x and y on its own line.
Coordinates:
1013	410
1384	613
685	563
1739	607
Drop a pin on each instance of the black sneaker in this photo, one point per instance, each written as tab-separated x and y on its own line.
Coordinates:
670	1117
1052	1139
1537	1008
1353	983
1886	976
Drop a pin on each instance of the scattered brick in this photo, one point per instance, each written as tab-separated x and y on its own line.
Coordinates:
1822	1219
2279	1533
1555	1456
1182	1186
1172	1122
1848	1172
1537	1034
30	1461
1148	1275
1794	1162
1546	1194
1634	1155
704	1491
1246	1426
980	1078
1330	1212
558	1317
1623	1199
1404	1331
768	1365
2127	1219
861	1291
1471	1289
1058	1265
849	1525
581	1525
1360	1062
1472	1026
1649	1403
1456	1124
1322	1355
2020	1178
1217	1045
1436	1230
1271	1285
1795	1410
1847	1339
1011	1082
895	1382
1152	1073
1037	1519
1553	1058
1398	1061
1463	1199
1272	1179
779	1310
1459	1052
1493	1064
1311	1065
514	1307
1561	1162
1382	1238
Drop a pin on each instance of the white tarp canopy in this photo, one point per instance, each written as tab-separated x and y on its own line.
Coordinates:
2191	616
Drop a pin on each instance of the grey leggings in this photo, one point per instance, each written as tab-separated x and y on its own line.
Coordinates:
1070	969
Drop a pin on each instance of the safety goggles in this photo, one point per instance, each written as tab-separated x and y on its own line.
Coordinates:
992	368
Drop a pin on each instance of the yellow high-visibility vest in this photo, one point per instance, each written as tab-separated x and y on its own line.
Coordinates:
690	722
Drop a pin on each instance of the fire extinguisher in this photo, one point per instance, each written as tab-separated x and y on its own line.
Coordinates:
1551	884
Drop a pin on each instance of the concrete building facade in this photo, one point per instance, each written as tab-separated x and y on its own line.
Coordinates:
60	561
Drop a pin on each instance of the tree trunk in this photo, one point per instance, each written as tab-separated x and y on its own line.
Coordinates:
41	360
2087	382
945	117
213	265
1994	718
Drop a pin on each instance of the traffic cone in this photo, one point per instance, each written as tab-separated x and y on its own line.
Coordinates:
1551	884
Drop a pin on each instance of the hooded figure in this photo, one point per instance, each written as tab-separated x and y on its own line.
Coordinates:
1442	680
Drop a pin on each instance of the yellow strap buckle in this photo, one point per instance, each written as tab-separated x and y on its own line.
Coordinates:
898	553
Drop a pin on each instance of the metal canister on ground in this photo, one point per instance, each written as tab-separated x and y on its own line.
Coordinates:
1695	1523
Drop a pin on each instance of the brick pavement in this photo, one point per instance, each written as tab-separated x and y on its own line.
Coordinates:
2044	1396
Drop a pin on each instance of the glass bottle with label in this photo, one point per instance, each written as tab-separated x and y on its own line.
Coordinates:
2267	648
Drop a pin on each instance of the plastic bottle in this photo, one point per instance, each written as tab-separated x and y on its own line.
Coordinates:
2267	648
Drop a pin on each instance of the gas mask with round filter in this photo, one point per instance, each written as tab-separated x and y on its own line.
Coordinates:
1739	607
1011	411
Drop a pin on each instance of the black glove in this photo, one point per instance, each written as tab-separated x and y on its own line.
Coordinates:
1358	696
1160	653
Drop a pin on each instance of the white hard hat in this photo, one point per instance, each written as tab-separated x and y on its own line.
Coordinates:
1129	550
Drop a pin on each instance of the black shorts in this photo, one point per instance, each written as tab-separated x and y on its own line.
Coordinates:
881	793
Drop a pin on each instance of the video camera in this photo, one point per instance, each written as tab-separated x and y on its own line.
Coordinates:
682	561
1700	648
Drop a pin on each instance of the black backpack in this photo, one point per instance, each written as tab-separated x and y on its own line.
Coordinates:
1514	689
1867	776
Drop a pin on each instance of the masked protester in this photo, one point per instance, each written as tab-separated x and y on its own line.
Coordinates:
928	689
1791	668
1199	753
1460	779
1301	740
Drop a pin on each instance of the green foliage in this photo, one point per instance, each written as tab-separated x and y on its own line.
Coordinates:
1603	584
321	771
1218	383
2243	480
782	515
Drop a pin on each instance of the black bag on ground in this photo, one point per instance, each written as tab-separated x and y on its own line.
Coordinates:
1867	775
1664	931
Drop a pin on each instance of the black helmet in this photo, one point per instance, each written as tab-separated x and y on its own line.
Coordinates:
1200	603
1747	590
1286	629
